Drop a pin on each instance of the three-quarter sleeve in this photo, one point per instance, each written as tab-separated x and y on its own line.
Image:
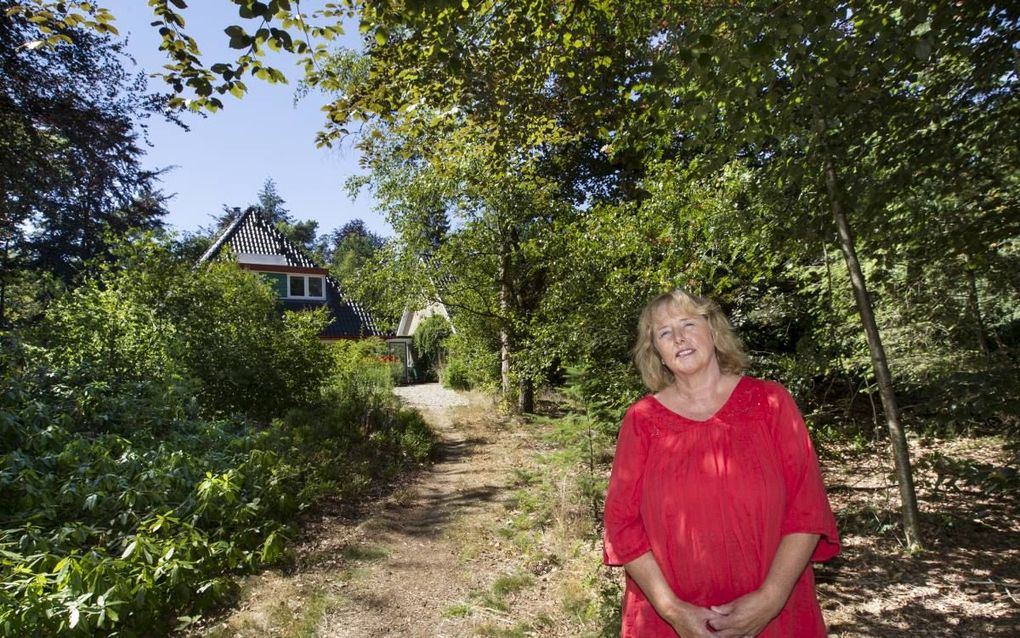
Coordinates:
624	538
807	506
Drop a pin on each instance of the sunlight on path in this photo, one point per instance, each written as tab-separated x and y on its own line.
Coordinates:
430	396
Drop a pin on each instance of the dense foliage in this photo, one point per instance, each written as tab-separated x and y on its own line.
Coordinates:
842	177
161	429
738	149
713	158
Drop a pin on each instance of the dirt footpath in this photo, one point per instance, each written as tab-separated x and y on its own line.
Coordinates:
397	567
405	562
420	576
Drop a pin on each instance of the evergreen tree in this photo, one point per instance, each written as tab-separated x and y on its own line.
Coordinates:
271	203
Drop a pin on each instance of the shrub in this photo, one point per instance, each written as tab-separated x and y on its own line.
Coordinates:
148	316
430	343
469	365
455	375
104	530
123	529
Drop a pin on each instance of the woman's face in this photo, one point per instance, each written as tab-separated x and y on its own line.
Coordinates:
684	341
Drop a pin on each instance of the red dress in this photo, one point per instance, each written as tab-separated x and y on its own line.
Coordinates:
712	499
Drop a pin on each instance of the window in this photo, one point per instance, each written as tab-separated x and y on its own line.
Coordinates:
315	287
306	287
278	281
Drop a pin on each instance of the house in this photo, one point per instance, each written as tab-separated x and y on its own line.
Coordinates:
402	342
258	245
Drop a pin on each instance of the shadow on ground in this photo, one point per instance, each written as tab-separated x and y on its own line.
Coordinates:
965	582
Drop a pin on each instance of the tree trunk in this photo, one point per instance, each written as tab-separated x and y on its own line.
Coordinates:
831	307
4	275
975	309
3	303
504	333
526	396
901	455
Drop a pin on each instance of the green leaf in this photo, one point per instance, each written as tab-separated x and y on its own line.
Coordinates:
921	29
283	38
261	9
239	39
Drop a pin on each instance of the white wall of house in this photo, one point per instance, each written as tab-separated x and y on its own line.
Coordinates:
411	319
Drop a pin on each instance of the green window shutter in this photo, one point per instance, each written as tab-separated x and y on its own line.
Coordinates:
278	281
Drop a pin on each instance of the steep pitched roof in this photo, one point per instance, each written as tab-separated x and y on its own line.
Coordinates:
440	282
252	234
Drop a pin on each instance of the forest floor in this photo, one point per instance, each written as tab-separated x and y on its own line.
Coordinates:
966	583
495	540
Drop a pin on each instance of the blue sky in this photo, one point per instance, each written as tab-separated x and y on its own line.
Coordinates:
227	156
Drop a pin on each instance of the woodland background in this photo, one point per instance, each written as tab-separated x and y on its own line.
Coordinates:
842	177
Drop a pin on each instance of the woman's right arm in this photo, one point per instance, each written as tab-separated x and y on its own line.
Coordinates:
686	619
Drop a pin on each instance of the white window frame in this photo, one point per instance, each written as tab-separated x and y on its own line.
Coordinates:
321	278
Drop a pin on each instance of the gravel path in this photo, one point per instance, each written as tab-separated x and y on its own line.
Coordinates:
429	396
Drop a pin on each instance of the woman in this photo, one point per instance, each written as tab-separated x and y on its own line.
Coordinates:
715	504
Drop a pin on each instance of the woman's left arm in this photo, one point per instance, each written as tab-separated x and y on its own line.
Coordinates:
748	615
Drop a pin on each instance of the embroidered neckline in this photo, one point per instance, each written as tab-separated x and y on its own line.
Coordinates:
715	415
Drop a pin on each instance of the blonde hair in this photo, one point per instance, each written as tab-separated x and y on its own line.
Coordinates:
729	350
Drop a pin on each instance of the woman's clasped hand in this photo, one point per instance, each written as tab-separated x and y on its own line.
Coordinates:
691	621
745	616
